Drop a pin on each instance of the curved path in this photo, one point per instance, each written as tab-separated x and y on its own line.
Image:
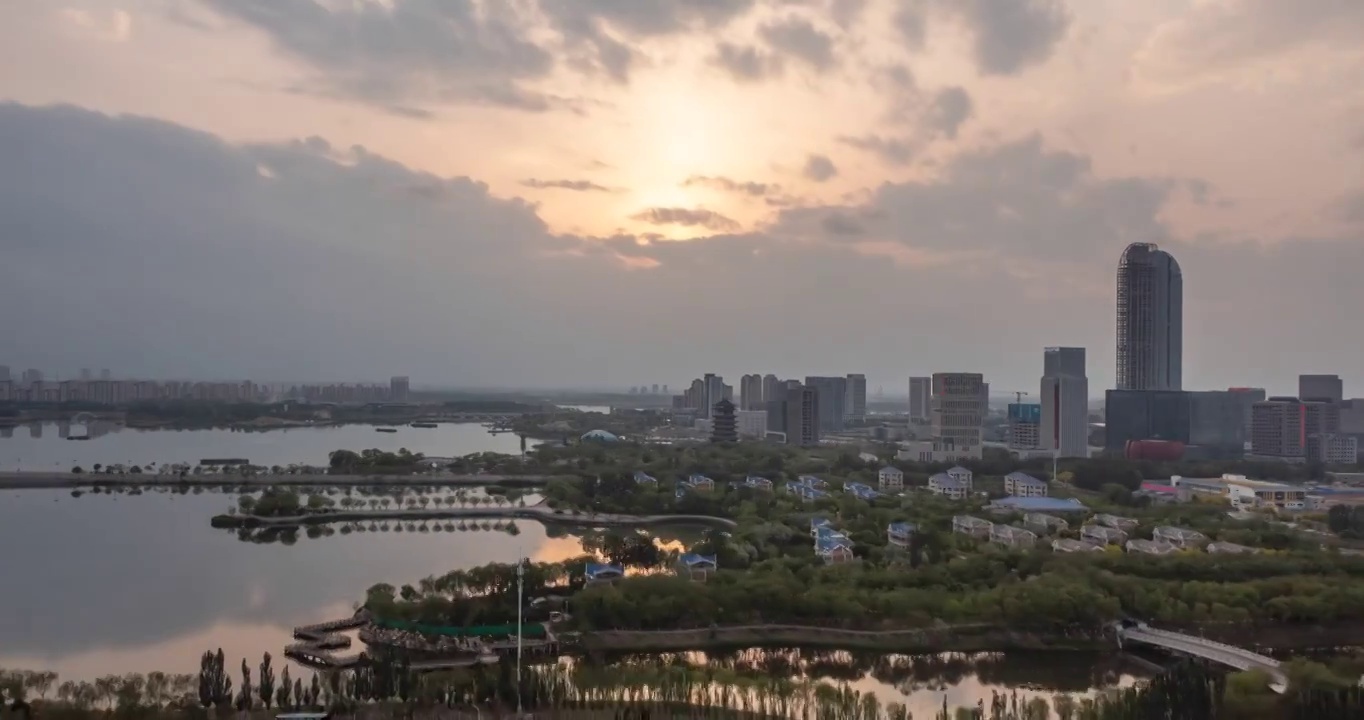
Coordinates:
541	513
1222	653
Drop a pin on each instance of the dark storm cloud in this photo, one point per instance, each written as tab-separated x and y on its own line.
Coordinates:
1008	35
798	38
819	168
951	107
417	52
891	150
687	217
745	63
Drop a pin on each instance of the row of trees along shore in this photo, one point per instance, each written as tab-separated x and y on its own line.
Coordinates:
386	687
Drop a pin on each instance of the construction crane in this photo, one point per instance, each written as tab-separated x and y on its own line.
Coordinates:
1019	395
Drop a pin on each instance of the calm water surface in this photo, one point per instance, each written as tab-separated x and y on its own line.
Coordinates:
111	584
41	447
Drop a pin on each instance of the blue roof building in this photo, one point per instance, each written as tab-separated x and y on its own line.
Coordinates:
898	533
811	481
805	492
598	436
601	572
833	546
861	490
643	477
695	566
700	482
758	482
817	523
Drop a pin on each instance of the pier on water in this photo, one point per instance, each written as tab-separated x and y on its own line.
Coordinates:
428	647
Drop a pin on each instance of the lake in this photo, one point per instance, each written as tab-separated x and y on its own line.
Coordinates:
41	447
105	584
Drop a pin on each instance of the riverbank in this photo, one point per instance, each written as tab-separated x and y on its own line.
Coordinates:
970	638
51	480
539	513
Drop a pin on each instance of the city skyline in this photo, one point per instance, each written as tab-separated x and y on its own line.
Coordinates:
538	213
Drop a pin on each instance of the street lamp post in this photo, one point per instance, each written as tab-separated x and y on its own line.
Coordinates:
520	600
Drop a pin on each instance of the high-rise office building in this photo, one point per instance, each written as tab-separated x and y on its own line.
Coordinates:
920	390
1326	388
1278	430
4	373
957	412
1025	426
751	392
1247	397
1150	320
802	414
32	376
1065	402
712	391
833	392
86	374
855	402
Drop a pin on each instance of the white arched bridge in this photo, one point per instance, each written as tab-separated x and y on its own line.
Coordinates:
1217	652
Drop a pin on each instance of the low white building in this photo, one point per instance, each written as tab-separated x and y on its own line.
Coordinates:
1067	545
1044	523
1103	535
1011	536
890	478
1151	547
1020	484
961	475
942	484
1226	548
1121	523
1180	537
973	526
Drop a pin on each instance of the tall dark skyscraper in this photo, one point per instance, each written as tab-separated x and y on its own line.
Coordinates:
1150	320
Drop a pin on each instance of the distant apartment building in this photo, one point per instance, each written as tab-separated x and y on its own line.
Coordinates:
855	401
920	394
31	376
957	412
890	478
833	393
1065	402
1247	397
1025	426
4	373
398	388
751	423
948	487
800	416
1150	319
1322	388
712	391
773	388
751	392
1278	430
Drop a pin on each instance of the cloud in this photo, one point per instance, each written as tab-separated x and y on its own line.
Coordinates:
798	38
746	64
891	150
599	25
686	217
750	188
1008	36
1214	39
575	185
819	168
264	260
1350	208
951	107
409	53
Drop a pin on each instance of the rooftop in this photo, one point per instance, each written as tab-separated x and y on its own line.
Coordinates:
947	482
1022	477
1039	504
901	528
694	560
595	569
601	435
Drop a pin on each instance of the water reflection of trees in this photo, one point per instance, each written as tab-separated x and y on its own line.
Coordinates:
1066	672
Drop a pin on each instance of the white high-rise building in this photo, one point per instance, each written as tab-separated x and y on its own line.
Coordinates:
1065	402
920	390
957	411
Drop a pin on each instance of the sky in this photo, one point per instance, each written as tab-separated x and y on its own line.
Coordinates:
606	193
